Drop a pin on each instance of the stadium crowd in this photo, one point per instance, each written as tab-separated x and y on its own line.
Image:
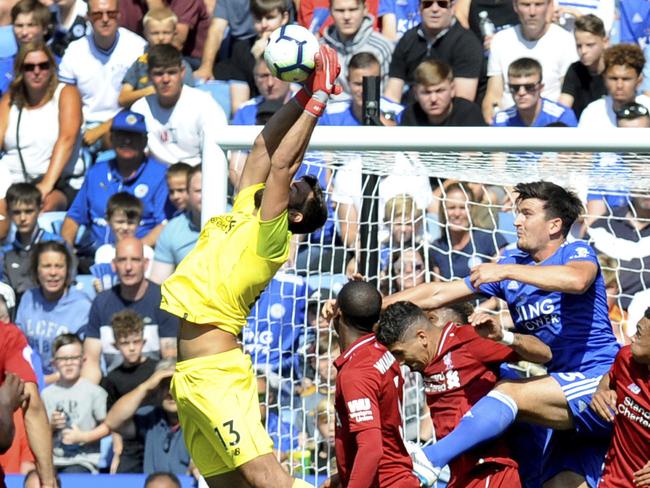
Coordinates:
108	110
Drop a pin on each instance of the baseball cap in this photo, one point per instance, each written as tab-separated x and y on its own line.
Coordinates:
130	122
320	295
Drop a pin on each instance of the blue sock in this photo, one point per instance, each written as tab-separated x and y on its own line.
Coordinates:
487	419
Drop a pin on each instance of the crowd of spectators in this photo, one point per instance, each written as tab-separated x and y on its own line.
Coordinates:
108	109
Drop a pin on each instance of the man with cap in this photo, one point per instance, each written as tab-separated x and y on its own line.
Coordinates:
130	171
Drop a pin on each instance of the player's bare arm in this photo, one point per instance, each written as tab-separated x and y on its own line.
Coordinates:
604	400
527	346
574	277
434	295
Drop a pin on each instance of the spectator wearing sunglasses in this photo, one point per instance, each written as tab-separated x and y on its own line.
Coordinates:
623	76
438	37
97	63
633	115
47	158
530	108
535	37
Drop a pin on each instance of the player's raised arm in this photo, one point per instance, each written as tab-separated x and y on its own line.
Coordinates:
286	149
429	296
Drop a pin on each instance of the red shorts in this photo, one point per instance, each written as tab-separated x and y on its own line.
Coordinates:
489	475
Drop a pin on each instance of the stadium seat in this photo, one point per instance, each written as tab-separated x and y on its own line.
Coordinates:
51	221
84	282
220	91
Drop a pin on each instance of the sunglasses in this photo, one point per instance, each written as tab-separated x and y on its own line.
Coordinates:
529	87
429	3
631	112
45	65
111	14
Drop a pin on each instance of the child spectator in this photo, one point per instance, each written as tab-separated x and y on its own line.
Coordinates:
53	307
324	451
159	28
123	213
24	203
177	177
128	330
583	82
404	221
74	405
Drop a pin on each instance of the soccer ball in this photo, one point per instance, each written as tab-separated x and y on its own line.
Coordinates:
290	53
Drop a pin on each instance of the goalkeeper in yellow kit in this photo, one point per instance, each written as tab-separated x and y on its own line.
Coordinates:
216	285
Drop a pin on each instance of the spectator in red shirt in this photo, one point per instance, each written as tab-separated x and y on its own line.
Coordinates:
370	452
459	368
14	352
623	397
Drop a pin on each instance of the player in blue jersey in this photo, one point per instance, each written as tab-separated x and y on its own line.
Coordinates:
555	292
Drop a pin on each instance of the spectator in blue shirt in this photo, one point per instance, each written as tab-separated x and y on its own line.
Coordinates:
53	307
350	112
24	203
130	171
181	233
531	109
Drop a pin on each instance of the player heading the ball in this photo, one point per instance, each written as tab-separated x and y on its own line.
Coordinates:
216	285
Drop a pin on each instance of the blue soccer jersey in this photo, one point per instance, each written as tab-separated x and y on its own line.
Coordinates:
575	327
550	113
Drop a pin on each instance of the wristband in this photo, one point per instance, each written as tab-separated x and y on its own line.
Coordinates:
310	103
508	338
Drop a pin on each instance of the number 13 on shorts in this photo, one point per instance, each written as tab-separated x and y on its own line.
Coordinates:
229	437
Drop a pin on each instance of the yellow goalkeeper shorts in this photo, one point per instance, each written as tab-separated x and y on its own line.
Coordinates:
219	412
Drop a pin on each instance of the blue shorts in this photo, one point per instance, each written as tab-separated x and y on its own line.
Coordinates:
583	449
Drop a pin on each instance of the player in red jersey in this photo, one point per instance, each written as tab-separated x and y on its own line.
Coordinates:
370	450
459	368
623	397
15	356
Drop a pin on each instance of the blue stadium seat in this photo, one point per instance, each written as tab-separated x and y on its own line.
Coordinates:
51	221
84	282
220	91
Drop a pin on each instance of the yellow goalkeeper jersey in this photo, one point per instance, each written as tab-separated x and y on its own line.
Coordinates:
232	262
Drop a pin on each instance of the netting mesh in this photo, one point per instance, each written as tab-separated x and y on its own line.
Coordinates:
438	214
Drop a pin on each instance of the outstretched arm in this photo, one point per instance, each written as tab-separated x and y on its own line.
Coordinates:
433	295
284	139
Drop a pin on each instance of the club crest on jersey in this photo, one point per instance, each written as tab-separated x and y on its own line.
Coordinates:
580	252
634	388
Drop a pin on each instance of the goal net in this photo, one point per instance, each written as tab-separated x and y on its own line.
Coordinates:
410	205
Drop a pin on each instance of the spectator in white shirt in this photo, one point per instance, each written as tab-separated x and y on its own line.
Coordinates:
96	64
536	37
182	121
623	75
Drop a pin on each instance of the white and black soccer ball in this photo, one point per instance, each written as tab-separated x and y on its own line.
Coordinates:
290	53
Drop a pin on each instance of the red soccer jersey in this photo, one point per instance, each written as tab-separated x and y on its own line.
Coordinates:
463	371
15	355
629	450
369	388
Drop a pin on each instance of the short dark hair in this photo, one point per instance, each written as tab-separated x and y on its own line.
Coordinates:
51	246
558	202
629	55
313	210
163	56
41	13
162	474
129	204
591	24
360	305
125	323
65	339
260	8
363	60
525	67
179	168
25	193
396	320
